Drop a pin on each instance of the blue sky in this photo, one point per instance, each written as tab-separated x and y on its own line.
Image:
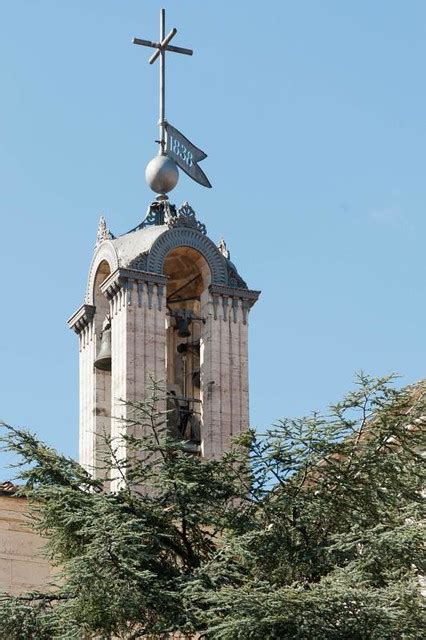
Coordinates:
313	117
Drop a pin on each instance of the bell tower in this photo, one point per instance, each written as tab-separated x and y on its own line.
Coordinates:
164	302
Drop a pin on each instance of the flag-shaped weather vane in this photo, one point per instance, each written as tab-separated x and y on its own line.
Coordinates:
175	149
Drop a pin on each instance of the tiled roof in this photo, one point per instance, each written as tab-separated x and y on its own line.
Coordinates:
8	488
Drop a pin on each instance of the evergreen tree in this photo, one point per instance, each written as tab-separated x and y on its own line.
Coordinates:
310	530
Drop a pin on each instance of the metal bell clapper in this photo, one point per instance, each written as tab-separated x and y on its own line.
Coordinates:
182	326
183	319
103	359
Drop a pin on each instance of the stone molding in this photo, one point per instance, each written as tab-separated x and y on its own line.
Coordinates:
105	252
250	295
140	262
81	318
188	237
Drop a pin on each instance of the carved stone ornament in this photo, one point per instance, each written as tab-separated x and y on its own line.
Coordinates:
163	212
139	263
103	232
158	213
234	278
223	249
186	218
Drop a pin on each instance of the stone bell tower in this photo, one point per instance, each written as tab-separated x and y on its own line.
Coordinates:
164	302
178	312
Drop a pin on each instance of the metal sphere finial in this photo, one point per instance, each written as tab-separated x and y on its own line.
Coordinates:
161	174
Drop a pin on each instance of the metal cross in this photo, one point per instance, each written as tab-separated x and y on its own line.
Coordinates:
162	47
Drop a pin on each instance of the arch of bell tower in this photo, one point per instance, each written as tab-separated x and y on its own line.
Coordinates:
195	239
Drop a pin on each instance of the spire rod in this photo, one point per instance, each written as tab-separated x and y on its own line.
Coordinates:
162	119
161	48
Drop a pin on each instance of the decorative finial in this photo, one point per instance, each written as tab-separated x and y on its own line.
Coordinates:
162	175
223	249
103	232
175	150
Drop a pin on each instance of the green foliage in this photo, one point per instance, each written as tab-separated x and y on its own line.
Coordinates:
310	530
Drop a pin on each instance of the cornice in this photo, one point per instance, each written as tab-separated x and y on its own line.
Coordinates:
81	318
121	278
235	292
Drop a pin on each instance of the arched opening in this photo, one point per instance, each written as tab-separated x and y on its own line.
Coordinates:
102	368
99	300
188	279
102	320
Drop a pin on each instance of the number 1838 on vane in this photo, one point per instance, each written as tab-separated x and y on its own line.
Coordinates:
186	155
176	149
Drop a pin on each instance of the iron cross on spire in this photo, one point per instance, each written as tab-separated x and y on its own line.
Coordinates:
162	47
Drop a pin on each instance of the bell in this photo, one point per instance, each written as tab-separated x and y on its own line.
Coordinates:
182	325
103	359
196	378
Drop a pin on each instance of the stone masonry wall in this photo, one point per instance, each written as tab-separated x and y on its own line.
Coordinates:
22	565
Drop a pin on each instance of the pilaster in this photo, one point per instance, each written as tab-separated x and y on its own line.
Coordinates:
224	366
138	312
82	322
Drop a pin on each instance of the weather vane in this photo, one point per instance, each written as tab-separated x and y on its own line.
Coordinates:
175	149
